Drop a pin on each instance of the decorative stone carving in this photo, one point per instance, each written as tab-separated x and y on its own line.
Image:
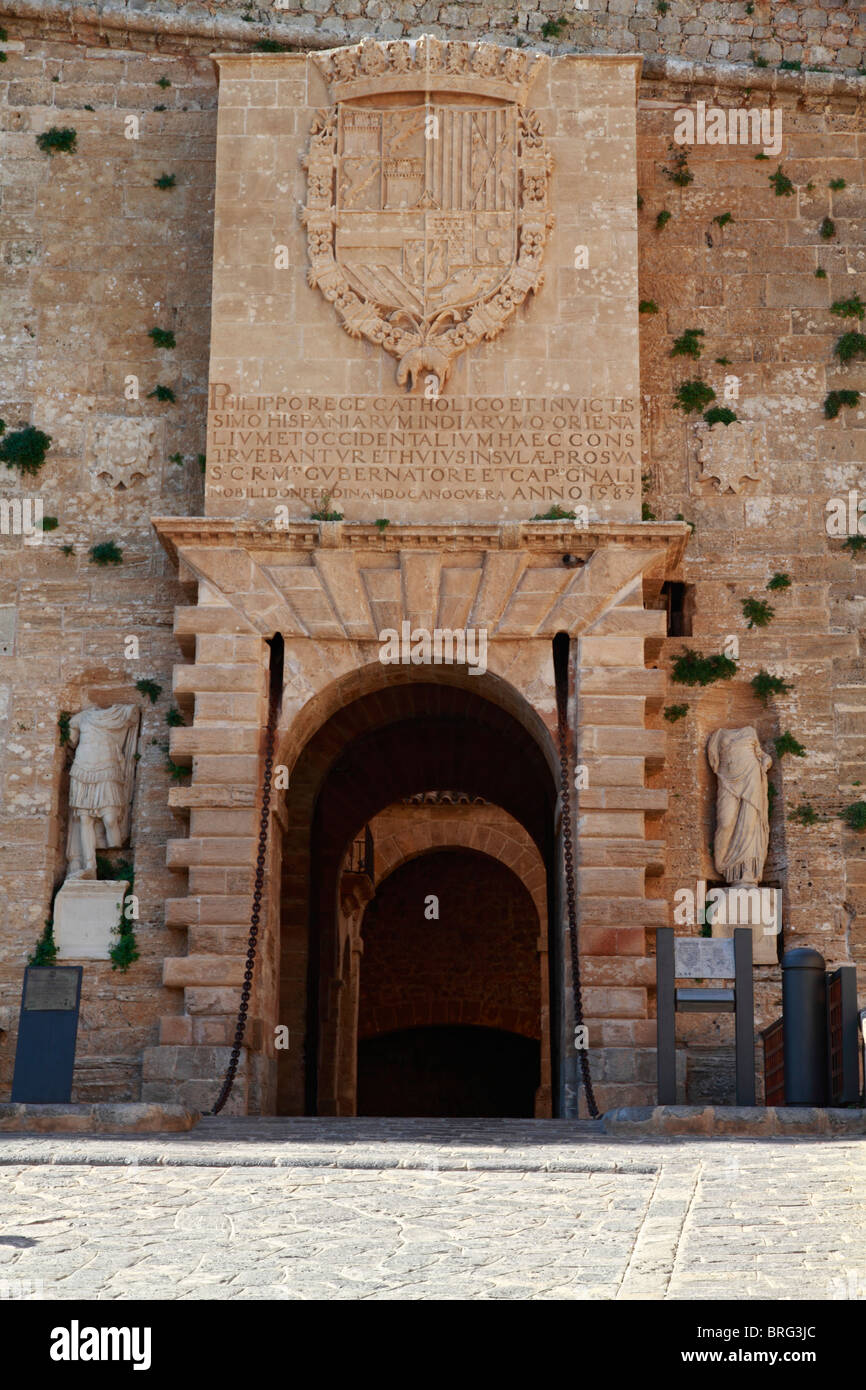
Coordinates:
100	783
443	798
426	221
731	454
122	451
742	818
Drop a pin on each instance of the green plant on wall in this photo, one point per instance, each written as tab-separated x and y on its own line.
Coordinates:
764	685
782	185
125	950
162	337
45	950
556	513
149	688
852	308
779	582
771	799
106	553
757	612
786	743
687	345
57	140
854	815
679	172
691	667
663	219
552	28
674	712
720	415
63	719
805	814
24	449
834	401
850	345
693	395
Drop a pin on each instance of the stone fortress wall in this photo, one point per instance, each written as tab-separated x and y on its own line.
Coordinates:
819	33
93	256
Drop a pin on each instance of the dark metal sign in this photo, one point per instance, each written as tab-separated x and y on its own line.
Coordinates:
47	1031
51	987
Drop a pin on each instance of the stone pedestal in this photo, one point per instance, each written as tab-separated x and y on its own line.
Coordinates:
758	908
86	917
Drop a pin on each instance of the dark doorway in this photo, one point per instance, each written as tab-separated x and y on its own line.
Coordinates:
409	736
448	1071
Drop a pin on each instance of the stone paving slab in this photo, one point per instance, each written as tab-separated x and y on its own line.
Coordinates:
321	1209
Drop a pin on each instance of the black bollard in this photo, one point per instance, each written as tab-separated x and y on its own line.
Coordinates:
804	1015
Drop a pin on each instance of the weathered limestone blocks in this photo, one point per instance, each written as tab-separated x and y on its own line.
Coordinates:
87	916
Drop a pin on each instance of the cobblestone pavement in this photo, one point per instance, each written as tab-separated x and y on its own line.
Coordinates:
367	1209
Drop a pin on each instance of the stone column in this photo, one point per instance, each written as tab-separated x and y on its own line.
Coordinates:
356	891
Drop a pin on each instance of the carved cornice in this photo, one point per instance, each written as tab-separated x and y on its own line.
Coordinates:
560	537
351	583
429	64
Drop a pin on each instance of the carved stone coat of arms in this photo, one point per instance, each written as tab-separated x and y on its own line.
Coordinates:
427	197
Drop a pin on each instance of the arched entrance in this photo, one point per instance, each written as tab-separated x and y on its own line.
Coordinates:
385	746
449	1016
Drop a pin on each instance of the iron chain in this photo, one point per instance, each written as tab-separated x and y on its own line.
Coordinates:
568	854
232	1067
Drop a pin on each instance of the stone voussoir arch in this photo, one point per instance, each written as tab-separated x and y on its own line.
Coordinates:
495	834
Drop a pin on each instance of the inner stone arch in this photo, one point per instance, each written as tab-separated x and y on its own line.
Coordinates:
450	1006
375	751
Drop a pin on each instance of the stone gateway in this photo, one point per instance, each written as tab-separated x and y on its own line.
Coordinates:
425	420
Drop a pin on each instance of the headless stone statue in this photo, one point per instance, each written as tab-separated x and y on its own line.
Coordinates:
742	818
100	783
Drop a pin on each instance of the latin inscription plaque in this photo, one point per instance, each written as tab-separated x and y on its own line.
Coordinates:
51	987
398	456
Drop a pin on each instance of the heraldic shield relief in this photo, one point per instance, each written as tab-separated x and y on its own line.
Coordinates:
427	210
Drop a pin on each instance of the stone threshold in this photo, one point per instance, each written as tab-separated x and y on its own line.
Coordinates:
733	1121
83	1135
120	1118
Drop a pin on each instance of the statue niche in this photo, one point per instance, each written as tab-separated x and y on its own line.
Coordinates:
100	784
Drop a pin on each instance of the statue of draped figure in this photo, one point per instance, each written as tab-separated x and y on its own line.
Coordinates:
742	817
